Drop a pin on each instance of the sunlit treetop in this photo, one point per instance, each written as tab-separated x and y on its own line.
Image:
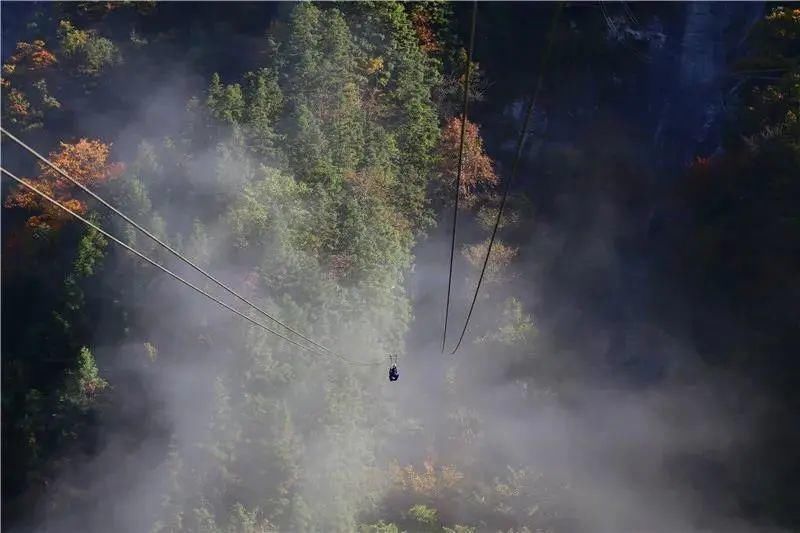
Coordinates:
33	56
26	95
500	258
784	23
425	33
478	168
86	161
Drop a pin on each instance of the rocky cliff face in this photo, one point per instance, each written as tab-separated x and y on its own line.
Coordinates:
711	37
661	73
664	69
702	56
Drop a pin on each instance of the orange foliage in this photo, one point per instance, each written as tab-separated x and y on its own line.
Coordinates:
18	105
428	482
478	168
27	58
86	161
42	59
33	55
425	34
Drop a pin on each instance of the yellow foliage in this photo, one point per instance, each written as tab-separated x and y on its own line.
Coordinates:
152	353
71	37
374	65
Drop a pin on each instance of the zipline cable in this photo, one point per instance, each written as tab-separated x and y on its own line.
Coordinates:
630	13
613	27
460	166
169	272
520	142
155	239
142	256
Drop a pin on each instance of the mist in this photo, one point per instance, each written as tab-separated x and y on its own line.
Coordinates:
580	400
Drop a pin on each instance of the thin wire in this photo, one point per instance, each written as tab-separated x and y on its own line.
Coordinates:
157	240
520	143
163	268
460	167
630	13
613	27
142	256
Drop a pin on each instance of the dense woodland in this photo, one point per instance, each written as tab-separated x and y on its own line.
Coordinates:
632	362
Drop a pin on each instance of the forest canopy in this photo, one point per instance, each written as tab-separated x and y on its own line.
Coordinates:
307	154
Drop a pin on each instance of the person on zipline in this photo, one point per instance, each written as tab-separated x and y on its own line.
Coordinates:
394	374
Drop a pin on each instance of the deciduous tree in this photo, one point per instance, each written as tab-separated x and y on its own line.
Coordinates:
477	167
86	161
